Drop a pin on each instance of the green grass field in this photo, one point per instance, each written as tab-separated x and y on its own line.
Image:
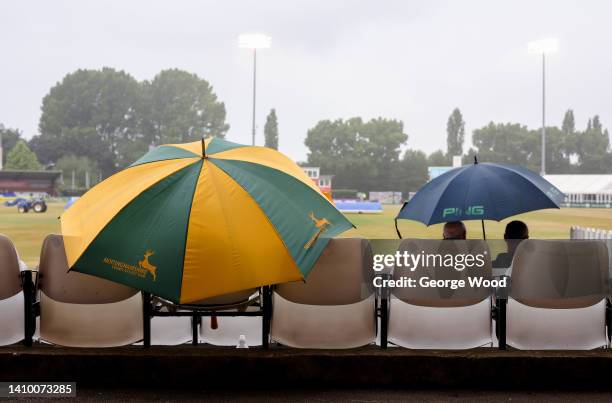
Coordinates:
549	224
29	230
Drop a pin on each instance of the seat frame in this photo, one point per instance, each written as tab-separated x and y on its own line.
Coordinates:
152	308
30	306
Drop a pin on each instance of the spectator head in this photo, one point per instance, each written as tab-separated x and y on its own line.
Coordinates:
454	230
516	230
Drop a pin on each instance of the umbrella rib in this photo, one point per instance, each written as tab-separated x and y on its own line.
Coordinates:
495	206
469	185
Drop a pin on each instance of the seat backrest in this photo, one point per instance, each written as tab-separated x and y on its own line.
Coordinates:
342	275
560	273
66	286
10	280
11	297
79	310
434	254
334	307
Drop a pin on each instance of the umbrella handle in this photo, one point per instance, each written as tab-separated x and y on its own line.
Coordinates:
399	234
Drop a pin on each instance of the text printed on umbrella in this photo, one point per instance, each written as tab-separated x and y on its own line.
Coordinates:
144	266
477	210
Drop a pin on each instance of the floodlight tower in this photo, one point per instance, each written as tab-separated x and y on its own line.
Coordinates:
543	46
254	41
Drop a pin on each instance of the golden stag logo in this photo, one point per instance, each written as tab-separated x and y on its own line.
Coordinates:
321	225
146	265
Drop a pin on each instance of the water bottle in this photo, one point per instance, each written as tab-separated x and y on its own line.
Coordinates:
242	342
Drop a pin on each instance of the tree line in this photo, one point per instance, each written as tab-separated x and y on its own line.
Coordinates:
372	156
100	121
108	119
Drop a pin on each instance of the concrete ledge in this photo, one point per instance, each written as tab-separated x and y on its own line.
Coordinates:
208	367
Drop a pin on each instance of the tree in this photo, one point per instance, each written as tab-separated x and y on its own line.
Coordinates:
597	127
382	140
105	103
569	126
557	150
336	147
512	143
592	147
271	130
81	166
509	143
181	107
455	133
570	138
413	171
22	158
9	138
360	155
109	117
84	142
438	159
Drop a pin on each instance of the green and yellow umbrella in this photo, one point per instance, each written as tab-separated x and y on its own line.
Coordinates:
190	221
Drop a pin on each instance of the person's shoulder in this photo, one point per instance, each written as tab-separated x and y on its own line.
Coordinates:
504	259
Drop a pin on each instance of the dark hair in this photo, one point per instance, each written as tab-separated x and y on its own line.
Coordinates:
516	230
455	225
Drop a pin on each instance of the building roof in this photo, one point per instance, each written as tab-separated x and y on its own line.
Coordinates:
582	184
30	175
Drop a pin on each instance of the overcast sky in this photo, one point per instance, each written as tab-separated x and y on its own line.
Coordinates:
410	60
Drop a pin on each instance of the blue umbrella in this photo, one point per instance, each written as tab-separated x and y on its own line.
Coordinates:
484	191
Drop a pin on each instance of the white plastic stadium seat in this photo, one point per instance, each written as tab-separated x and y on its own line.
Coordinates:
335	307
170	331
558	296
11	295
436	318
79	310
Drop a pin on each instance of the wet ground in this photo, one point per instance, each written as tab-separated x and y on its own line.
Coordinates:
341	396
187	373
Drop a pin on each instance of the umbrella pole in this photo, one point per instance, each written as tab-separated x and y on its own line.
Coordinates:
399	235
484	235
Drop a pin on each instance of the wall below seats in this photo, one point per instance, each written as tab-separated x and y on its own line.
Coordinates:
219	368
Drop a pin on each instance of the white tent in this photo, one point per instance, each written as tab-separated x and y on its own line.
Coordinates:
584	189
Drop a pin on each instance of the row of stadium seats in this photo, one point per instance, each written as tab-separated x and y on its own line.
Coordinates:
558	300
